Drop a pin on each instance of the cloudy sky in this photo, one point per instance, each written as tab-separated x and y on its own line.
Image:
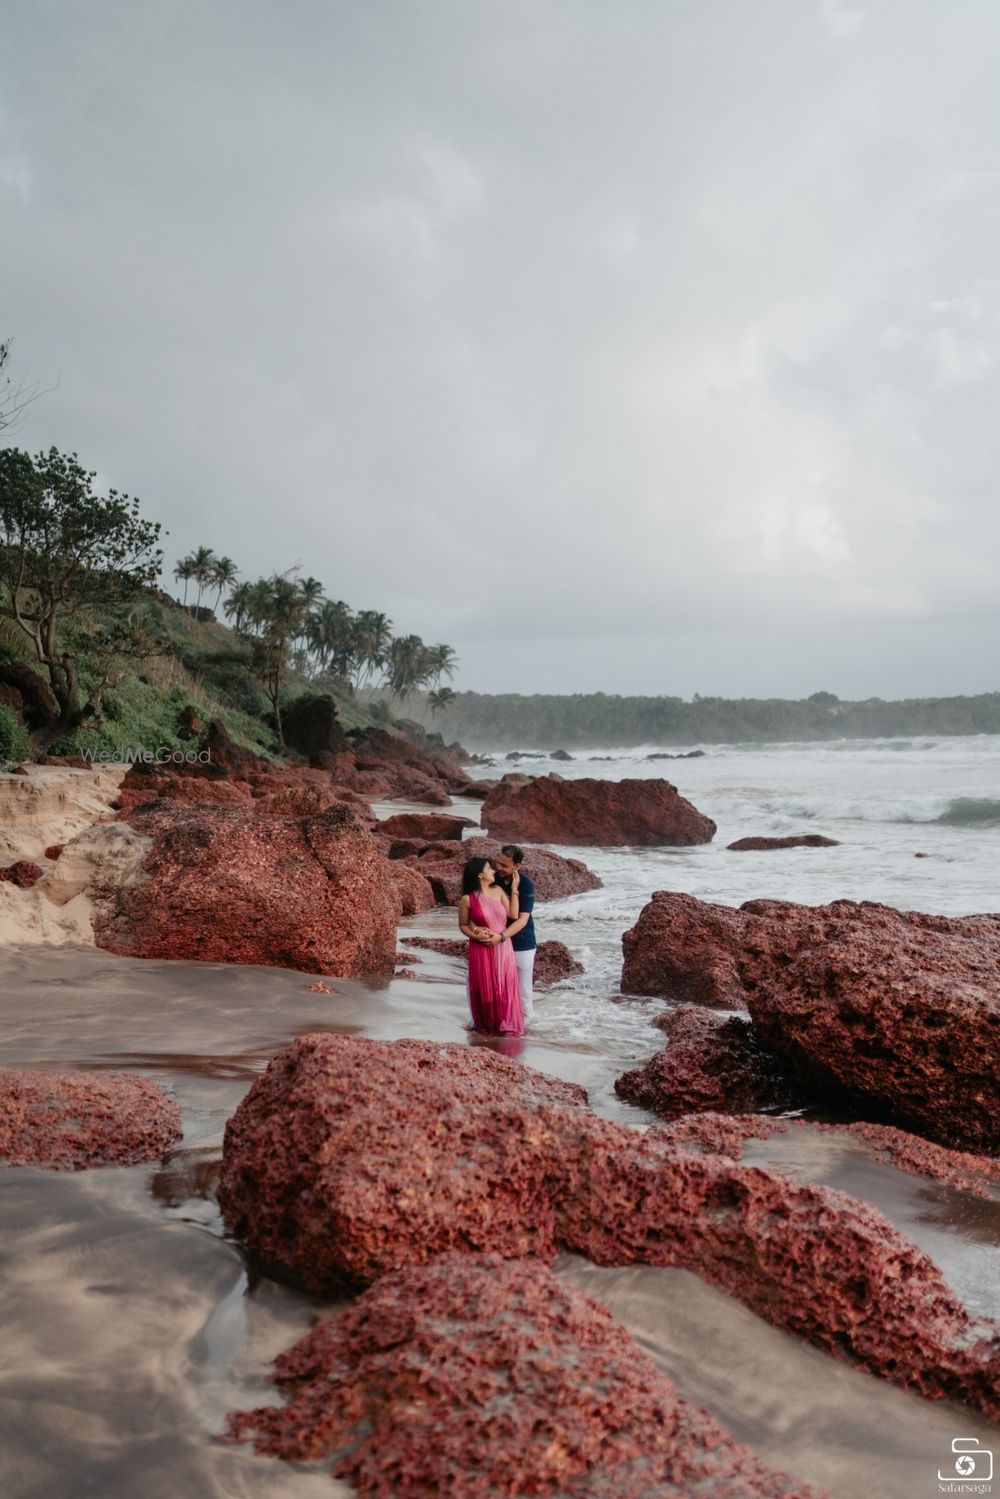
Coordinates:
650	346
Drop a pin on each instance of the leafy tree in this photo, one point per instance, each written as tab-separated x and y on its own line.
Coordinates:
71	562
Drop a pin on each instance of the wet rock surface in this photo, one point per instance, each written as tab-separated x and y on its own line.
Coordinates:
606	814
427	827
794	840
442	863
68	1121
686	949
350	1158
710	1062
23	873
727	1133
893	1014
554	962
479	1376
894	1010
226	884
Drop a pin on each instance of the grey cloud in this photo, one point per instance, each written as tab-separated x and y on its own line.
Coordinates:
639	347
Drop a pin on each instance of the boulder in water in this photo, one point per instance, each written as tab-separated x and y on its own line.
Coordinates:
606	814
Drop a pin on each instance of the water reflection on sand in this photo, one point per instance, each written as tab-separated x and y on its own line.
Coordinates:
130	1326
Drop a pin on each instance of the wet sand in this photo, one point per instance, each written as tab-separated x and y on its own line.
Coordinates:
131	1326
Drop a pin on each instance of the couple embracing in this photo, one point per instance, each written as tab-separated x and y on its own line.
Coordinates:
495	914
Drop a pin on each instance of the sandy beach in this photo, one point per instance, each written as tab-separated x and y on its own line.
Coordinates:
134	1325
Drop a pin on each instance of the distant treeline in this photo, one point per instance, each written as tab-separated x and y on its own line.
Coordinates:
590	720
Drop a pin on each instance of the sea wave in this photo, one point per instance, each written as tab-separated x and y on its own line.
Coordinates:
971	811
962	811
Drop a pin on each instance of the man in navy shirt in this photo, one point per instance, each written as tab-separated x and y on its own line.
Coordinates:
522	931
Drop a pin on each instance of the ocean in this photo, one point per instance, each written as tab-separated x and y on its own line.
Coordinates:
886	801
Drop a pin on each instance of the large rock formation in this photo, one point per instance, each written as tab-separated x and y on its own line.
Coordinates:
71	1120
605	814
684	948
351	1157
479	1376
425	827
709	1062
892	1013
895	1010
442	864
227	884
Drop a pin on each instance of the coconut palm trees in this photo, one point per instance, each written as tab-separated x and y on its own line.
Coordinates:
184	572
224	573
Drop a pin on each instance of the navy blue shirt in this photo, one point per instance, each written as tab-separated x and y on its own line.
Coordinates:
525	939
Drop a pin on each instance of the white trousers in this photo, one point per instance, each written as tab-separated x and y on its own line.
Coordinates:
526	981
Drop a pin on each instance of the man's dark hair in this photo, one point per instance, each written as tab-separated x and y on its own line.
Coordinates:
513	852
470	875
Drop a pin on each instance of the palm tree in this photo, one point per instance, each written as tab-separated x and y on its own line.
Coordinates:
224	572
202	564
237	606
442	662
184	572
329	632
276	614
441	700
373	639
407	666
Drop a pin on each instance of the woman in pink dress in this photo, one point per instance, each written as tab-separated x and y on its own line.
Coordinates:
483	914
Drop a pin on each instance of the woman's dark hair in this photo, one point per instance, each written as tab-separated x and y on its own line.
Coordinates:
470	875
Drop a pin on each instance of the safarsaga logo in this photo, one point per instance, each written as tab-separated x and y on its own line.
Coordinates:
138	755
971	1471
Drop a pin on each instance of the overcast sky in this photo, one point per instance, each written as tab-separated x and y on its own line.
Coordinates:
645	346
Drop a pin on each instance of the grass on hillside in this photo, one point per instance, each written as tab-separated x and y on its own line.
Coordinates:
203	666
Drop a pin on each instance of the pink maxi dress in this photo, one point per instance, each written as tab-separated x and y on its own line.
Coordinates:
494	994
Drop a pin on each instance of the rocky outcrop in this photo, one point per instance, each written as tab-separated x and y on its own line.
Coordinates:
894	1010
225	884
311	726
796	840
451	947
554	962
344	1153
605	814
892	1014
709	1063
413	891
554	875
728	1133
475	1375
425	827
23	873
71	1120
350	1158
686	949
